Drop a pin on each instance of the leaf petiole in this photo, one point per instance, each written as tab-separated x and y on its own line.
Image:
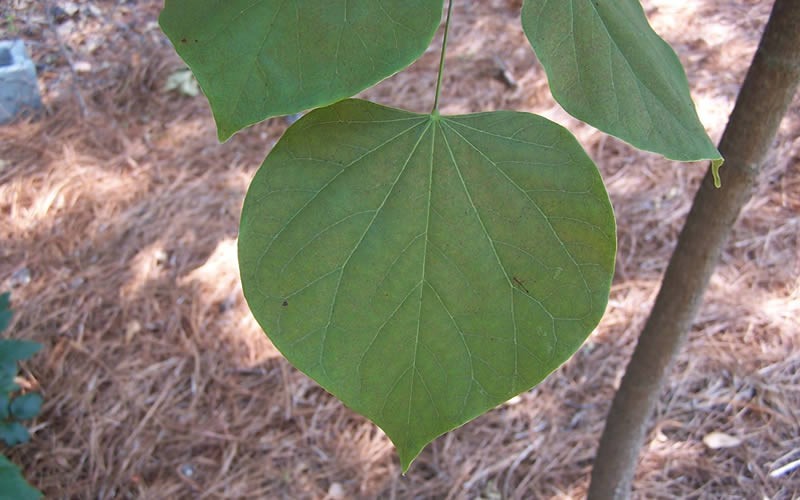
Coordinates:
441	61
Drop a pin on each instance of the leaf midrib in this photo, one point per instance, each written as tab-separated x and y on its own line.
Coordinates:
431	125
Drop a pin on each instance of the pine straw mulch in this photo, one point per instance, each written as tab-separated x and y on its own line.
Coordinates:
119	218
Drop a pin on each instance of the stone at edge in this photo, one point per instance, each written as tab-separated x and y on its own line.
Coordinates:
19	89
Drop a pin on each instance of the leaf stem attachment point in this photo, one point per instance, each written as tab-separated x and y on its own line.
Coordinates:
441	60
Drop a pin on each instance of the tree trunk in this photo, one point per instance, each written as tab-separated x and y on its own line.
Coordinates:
763	101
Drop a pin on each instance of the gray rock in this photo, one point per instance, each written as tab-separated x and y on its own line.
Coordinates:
19	91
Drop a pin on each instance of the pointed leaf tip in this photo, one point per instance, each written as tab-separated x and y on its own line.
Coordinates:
607	67
715	166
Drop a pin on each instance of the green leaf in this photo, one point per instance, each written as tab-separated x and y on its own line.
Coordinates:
8	370
13	485
607	67
5	311
27	406
424	269
5	399
13	350
7	373
13	433
260	58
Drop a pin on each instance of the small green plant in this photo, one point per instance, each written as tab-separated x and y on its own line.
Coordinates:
425	268
14	408
11	24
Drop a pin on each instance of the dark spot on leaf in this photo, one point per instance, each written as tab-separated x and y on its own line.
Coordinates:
285	303
184	40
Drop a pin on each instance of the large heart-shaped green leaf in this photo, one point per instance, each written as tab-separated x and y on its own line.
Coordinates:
607	67
424	269
260	58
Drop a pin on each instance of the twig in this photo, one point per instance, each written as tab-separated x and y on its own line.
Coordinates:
780	471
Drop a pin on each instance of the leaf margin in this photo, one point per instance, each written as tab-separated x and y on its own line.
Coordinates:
406	456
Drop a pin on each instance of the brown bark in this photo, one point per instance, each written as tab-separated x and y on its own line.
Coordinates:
763	100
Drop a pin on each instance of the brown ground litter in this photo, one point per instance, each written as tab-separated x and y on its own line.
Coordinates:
158	384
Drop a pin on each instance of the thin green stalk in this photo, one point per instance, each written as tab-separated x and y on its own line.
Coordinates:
441	61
